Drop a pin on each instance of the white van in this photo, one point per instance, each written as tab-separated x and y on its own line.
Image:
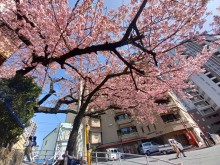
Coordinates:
112	154
149	147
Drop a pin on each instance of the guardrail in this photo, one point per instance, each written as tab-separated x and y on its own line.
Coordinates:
101	158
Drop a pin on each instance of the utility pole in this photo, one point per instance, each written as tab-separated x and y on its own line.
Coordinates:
88	145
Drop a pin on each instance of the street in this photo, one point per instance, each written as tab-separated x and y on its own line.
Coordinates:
206	156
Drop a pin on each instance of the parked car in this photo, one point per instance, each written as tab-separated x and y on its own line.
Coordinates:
166	149
149	147
113	154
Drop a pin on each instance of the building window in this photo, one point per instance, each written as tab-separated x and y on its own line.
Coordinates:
207	111
201	104
148	127
214	105
142	128
170	117
127	130
154	126
122	117
45	143
95	122
196	98
95	137
210	75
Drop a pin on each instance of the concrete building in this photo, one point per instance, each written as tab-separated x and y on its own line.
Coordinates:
121	131
206	98
94	133
54	144
8	39
29	131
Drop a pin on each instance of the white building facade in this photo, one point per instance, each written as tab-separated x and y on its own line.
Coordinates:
54	144
206	98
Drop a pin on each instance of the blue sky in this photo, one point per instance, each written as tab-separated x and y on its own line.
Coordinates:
47	122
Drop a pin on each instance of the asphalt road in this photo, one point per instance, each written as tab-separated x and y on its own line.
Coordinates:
205	156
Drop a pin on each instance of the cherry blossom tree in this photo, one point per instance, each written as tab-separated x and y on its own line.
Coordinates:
99	58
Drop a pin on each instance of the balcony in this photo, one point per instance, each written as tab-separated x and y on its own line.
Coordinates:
176	126
127	132
125	121
201	108
117	111
197	99
172	105
206	111
94	123
129	136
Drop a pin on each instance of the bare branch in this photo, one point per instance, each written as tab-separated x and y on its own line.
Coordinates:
51	92
52	110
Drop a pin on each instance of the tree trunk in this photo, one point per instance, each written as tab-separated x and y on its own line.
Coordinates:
71	146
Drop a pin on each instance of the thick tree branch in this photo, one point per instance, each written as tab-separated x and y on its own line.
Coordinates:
76	52
135	84
133	23
94	48
51	92
65	100
52	110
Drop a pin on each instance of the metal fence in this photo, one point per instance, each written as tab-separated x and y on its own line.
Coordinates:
101	158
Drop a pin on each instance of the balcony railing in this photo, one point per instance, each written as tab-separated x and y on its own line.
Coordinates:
129	135
124	121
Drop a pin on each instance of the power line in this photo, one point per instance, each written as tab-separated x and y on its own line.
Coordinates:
58	118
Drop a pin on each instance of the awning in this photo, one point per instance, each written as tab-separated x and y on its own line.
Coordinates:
119	143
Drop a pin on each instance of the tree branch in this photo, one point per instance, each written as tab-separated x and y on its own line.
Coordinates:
147	51
52	110
127	63
133	23
51	92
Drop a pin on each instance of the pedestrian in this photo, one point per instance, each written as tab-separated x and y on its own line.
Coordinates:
204	139
33	147
175	148
34	142
178	145
28	149
211	138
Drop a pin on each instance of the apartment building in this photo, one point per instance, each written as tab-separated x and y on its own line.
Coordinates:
8	39
54	144
23	139
119	129
206	98
94	132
